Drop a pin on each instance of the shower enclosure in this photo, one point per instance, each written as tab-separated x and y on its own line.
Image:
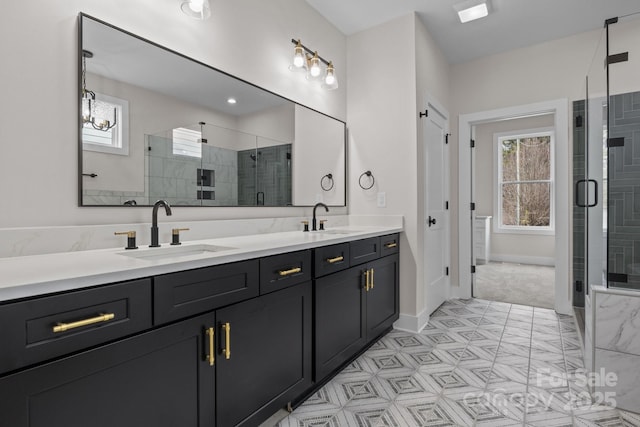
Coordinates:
606	164
606	213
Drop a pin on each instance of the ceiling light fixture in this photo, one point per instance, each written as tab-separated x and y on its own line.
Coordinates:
304	59
197	9
90	109
231	101
472	10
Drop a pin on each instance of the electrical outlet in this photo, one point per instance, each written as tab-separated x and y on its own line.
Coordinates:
319	197
382	200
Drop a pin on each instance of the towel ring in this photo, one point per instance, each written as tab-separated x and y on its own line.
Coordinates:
328	177
370	175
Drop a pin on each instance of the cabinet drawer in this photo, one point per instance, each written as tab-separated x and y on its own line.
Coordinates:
330	259
185	293
43	328
364	250
389	244
281	271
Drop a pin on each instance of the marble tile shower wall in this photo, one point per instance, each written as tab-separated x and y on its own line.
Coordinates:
614	328
624	190
174	177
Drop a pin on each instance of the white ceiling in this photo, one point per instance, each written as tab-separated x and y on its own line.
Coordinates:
512	24
121	57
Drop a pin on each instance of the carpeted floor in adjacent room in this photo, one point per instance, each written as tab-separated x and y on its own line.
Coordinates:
516	284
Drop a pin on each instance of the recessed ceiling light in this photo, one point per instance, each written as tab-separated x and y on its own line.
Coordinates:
472	10
231	101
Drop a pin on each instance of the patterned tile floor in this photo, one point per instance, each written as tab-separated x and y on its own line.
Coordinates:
477	363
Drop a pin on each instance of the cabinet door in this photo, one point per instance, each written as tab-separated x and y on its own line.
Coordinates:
382	296
264	359
339	319
158	378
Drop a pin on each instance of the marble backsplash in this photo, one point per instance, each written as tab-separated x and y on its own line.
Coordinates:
43	240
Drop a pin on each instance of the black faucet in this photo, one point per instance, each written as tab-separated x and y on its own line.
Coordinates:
154	222
313	221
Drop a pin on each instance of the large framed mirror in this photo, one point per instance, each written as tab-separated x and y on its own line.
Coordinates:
155	124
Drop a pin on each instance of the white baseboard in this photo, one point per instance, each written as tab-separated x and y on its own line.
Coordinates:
410	323
523	259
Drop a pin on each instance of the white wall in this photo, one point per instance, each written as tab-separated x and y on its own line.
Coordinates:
390	67
247	38
505	245
319	150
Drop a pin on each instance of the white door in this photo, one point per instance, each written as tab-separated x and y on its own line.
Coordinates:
436	220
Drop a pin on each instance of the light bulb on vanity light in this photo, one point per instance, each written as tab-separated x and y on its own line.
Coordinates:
314	66
330	79
198	9
299	56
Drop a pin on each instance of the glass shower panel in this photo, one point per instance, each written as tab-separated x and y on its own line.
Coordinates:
623	163
579	230
595	178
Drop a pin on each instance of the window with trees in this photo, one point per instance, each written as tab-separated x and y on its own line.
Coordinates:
525	182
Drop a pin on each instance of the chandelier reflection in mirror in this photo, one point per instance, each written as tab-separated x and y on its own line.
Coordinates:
94	112
309	62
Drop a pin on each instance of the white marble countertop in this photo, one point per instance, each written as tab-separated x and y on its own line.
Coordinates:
27	276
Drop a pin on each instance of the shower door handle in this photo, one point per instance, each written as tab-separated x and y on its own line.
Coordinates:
587	204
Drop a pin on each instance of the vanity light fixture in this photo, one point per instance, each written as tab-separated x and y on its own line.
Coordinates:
304	59
89	102
197	9
472	10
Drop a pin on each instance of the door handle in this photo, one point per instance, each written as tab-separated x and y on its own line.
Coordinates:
211	356
226	328
432	221
586	195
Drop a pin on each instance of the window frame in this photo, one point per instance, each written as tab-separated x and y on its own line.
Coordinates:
498	226
120	132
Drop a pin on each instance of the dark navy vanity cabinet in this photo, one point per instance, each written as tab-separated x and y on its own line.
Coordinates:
356	305
217	346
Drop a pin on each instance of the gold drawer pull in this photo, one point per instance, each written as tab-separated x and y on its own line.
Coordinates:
371	279
211	356
226	327
61	327
391	245
366	280
335	259
290	271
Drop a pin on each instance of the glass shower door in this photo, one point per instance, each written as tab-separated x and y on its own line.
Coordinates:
623	159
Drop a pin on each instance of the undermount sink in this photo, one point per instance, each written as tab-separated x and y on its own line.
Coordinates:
336	232
153	254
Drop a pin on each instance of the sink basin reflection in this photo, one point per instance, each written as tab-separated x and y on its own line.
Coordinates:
153	254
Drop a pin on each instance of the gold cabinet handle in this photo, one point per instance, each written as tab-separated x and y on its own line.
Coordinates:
366	280
61	327
290	271
335	259
211	357
226	327
391	245
372	278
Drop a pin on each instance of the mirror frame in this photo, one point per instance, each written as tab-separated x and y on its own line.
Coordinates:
82	16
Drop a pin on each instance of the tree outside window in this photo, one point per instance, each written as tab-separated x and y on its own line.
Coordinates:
525	181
